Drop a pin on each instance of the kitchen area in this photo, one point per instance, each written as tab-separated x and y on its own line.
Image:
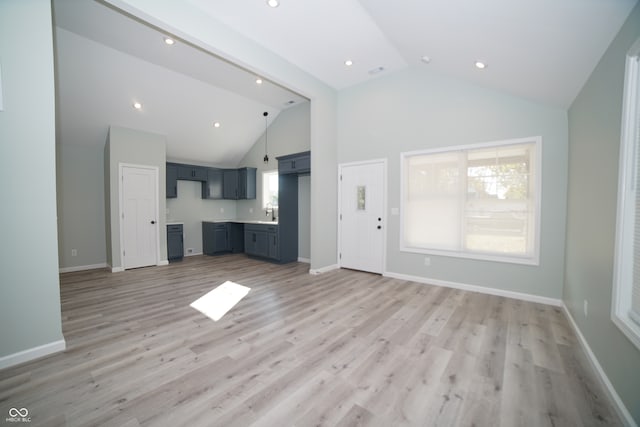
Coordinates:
214	211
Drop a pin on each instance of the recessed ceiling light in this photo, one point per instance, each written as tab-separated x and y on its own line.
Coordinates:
348	63
273	3
480	65
137	105
258	81
425	59
169	41
216	125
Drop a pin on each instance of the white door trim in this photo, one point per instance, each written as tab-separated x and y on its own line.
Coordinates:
156	170
383	162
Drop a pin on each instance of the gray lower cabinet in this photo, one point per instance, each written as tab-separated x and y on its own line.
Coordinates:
274	245
262	241
175	243
221	237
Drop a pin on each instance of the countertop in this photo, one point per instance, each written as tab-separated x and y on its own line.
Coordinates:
242	221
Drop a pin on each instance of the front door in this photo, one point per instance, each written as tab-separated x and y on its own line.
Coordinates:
362	222
139	216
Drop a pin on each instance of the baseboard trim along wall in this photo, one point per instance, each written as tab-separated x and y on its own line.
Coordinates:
621	408
163	262
32	353
305	260
475	288
316	271
117	269
82	268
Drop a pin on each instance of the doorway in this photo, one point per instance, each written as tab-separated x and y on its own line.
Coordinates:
139	215
361	206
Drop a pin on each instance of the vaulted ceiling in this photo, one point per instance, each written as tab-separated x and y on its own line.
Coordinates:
543	50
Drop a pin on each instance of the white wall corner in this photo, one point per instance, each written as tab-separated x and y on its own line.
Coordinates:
32	353
163	262
623	412
117	269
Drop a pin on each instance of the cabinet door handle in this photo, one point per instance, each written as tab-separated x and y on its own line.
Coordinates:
153	222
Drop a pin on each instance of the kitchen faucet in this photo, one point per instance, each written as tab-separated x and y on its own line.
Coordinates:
270	210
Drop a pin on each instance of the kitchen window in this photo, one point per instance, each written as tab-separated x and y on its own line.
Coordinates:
270	189
477	201
625	311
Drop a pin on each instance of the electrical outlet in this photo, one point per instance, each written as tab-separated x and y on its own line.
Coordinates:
427	261
74	252
586	308
190	250
221	210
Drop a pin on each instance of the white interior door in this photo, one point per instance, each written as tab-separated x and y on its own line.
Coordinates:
139	216
362	222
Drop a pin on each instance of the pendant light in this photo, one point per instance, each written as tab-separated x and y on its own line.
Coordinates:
266	156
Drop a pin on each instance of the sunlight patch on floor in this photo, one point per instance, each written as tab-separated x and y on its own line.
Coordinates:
219	301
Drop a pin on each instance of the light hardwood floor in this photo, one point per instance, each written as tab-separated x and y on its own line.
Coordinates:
339	349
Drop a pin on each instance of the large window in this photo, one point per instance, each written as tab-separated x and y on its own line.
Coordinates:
270	189
626	281
478	201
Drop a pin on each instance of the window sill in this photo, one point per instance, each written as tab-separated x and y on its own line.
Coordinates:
534	261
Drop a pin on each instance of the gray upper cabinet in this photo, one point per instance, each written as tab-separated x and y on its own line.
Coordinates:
172	181
212	188
298	163
230	184
192	173
240	184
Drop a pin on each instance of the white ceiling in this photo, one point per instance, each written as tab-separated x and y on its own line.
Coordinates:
106	61
543	50
539	49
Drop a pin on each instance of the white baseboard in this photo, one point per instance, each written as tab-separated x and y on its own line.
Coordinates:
324	269
623	412
475	288
193	254
163	262
32	353
305	260
117	269
82	268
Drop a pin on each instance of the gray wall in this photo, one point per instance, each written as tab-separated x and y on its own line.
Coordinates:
594	142
81	209
29	290
138	148
413	110
289	133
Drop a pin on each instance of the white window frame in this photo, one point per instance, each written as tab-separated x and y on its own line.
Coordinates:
264	187
625	220
534	258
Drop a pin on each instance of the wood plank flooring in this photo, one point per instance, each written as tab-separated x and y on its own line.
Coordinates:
343	348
